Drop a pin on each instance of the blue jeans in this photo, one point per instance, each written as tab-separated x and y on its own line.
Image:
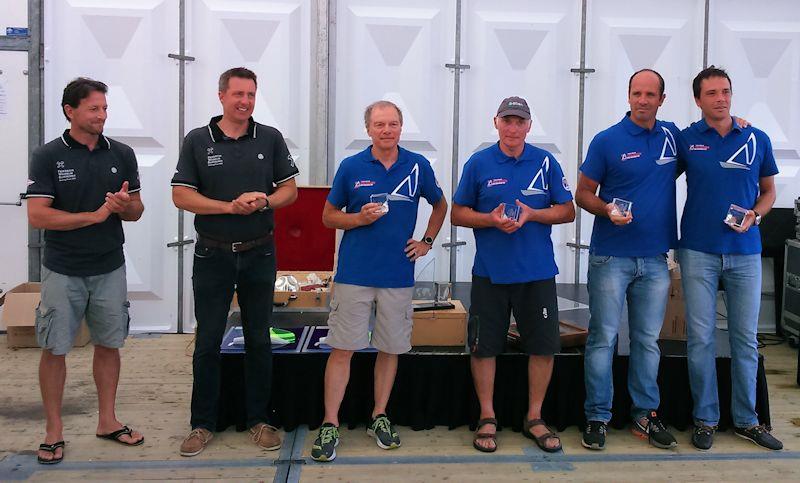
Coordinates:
741	279
645	283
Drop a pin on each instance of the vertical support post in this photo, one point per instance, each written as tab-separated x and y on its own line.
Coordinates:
582	71
318	152
705	33
181	131
454	168
35	120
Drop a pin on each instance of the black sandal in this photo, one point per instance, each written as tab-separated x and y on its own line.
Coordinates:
541	441
51	448
115	436
491	436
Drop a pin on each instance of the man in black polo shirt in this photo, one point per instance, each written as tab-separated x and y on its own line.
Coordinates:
232	173
81	186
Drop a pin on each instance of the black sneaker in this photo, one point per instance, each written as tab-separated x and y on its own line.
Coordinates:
324	448
760	436
654	432
703	436
594	436
381	429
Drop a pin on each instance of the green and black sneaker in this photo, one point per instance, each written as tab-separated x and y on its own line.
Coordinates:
381	429
324	448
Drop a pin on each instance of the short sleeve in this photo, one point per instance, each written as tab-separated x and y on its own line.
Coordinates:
467	192
338	196
132	168
40	176
283	168
594	167
186	171
431	190
559	186
768	165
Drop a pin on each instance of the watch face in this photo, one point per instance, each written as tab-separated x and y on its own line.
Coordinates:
428	240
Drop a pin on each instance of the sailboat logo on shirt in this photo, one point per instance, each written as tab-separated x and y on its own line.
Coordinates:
669	152
749	151
407	189
539	185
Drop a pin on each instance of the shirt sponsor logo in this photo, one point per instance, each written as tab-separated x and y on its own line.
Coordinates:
744	156
59	164
291	160
631	155
496	182
539	185
30	182
66	175
669	151
363	184
699	147
407	189
565	183
214	160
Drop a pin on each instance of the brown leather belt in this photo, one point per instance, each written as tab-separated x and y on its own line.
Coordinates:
235	247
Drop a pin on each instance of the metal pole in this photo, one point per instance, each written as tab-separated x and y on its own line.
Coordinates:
35	120
331	97
454	168
582	71
705	34
181	128
317	162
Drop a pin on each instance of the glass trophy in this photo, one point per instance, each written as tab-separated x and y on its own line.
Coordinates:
442	290
735	216
511	211
381	199
621	207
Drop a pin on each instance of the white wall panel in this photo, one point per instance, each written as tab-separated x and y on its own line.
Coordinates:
14	139
396	50
622	40
15	14
270	38
125	44
521	48
760	49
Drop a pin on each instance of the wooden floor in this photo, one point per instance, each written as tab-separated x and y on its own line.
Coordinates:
154	398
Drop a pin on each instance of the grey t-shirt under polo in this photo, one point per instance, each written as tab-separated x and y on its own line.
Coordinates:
222	168
77	180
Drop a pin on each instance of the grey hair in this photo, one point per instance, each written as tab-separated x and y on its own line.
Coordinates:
368	110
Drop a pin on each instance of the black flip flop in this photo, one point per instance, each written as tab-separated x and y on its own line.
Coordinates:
51	448
491	436
115	436
541	441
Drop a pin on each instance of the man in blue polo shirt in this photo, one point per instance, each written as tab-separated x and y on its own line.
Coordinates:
510	194
376	265
725	165
632	161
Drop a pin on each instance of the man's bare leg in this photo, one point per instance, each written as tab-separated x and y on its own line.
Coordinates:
540	368
483	371
337	375
52	376
384	373
106	367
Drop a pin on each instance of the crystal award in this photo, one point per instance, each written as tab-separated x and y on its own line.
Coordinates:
621	207
511	211
381	199
735	216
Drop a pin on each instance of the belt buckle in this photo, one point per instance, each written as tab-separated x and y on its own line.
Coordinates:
235	246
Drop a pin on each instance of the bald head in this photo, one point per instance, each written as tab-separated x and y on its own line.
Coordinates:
647	75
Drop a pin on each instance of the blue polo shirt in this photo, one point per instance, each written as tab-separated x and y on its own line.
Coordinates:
374	255
720	171
638	165
536	179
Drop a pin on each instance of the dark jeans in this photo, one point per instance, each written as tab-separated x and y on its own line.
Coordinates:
216	273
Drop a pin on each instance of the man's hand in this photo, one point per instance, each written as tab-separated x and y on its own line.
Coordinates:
246	203
101	214
742	123
506	225
416	249
749	220
118	202
526	213
369	213
616	218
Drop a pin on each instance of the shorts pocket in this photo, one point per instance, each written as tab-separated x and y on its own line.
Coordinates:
126	314
203	253
43	324
598	260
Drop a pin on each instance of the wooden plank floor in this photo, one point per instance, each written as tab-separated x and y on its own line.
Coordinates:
154	397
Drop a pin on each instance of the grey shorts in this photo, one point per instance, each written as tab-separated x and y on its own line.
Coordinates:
101	299
351	310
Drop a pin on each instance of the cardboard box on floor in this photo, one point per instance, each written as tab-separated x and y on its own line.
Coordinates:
440	327
301	299
674	327
19	317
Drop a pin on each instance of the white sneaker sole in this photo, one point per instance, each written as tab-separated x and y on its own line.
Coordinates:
371	433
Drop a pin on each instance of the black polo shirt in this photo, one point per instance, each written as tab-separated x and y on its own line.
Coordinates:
222	168
77	180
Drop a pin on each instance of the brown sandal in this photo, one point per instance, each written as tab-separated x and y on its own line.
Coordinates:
541	441
491	436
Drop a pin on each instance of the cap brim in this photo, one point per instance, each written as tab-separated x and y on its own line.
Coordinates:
514	112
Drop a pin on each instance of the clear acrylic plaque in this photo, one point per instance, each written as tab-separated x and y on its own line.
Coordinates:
511	211
381	199
621	207
735	216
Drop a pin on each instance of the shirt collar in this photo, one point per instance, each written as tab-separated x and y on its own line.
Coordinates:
70	142
217	135
367	155
703	126
527	154
633	128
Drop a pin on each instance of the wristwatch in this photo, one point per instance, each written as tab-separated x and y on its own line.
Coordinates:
266	205
428	241
758	217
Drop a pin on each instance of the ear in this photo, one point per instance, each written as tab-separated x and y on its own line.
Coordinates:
69	110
